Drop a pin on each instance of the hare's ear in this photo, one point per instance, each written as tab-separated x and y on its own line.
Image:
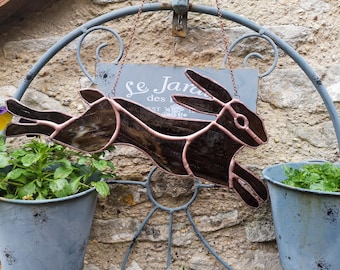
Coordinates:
90	95
208	86
198	104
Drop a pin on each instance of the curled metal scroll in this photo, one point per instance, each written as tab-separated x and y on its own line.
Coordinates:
99	48
256	54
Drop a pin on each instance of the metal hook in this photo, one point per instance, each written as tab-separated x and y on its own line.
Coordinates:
180	16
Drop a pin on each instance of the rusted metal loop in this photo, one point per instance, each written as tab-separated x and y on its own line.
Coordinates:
165	208
255	54
99	48
170	210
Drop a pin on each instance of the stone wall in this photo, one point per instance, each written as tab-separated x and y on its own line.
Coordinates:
295	117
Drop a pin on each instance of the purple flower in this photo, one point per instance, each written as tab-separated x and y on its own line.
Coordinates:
3	109
5	117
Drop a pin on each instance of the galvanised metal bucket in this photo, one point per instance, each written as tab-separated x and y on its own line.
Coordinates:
46	234
307	223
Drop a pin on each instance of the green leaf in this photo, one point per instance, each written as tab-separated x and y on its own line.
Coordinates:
102	188
30	159
15	174
11	196
75	184
83	160
16	154
40	196
44	192
3	147
60	188
58	184
112	167
100	164
62	172
4	160
27	190
3	185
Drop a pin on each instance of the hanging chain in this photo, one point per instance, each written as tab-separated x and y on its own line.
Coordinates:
226	45
120	69
225	40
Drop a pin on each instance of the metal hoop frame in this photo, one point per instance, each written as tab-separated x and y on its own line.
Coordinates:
261	32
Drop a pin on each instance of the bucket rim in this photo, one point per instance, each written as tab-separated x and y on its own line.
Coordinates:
46	201
266	171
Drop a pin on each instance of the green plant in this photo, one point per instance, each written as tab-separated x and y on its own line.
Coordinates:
40	170
318	176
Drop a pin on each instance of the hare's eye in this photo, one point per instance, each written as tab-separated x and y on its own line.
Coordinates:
241	121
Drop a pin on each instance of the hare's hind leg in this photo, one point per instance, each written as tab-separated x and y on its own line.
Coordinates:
28	129
17	108
250	188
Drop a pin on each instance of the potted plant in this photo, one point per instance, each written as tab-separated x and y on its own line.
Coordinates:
305	201
47	200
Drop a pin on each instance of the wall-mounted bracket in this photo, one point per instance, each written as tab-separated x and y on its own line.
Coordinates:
179	21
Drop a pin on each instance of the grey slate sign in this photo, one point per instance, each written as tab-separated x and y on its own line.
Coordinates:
152	86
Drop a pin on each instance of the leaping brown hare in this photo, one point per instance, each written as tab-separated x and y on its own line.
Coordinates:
198	148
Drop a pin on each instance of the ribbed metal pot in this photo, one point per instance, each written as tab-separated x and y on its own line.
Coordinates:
46	234
307	223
